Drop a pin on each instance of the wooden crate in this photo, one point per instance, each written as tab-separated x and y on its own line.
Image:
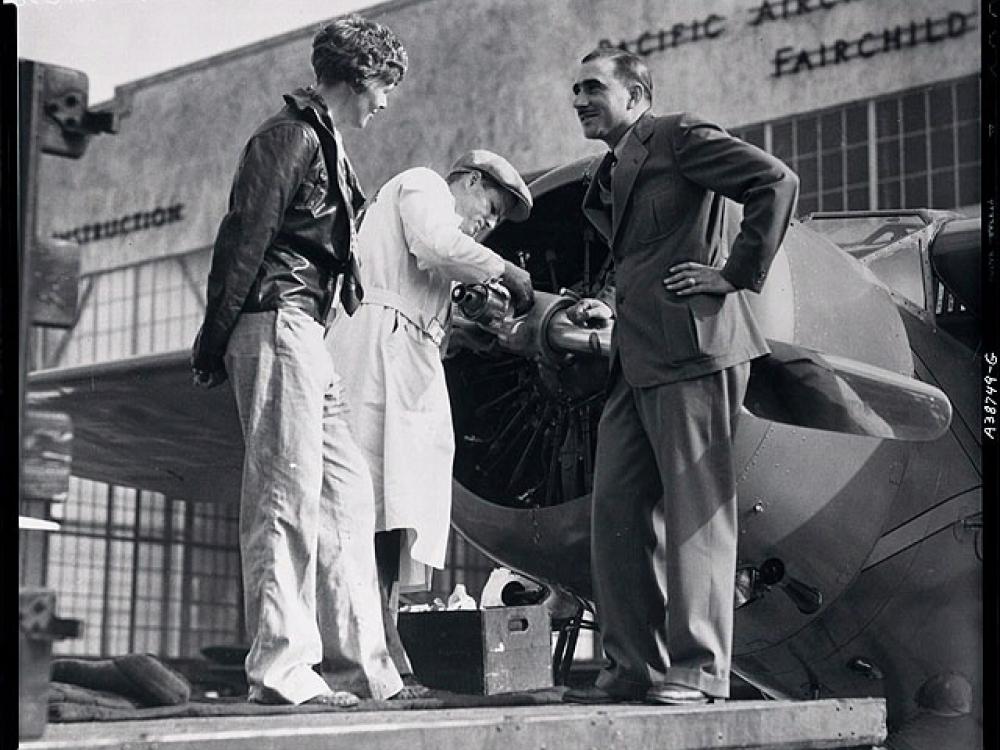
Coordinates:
484	652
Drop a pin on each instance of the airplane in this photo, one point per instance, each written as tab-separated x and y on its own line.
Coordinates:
860	479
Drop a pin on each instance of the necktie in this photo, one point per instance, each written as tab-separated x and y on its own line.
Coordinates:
606	170
604	174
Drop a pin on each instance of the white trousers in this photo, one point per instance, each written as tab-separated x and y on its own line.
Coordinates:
307	519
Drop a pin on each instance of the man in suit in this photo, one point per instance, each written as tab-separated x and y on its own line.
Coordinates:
664	496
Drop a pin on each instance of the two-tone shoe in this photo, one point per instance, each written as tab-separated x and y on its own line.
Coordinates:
672	694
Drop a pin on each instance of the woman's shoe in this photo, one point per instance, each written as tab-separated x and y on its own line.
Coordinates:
337	698
412	692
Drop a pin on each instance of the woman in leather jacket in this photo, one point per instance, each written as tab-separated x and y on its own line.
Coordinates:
306	509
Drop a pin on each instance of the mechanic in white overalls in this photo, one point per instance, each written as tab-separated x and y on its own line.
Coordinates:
416	240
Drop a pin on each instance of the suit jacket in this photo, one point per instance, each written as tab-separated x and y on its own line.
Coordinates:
668	206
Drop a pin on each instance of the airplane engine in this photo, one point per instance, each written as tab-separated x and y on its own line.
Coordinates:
812	503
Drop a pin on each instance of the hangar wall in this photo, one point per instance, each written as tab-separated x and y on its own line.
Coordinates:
496	75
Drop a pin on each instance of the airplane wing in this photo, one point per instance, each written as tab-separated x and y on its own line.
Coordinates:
140	422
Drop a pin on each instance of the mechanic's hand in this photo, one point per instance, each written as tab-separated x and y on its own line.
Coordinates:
518	283
695	278
590	313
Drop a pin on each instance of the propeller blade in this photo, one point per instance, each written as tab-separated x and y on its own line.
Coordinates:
552	543
800	386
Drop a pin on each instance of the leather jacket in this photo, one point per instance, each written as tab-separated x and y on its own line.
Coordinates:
288	233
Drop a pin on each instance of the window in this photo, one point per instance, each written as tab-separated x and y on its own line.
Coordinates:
167	309
144	572
154	306
105	322
916	149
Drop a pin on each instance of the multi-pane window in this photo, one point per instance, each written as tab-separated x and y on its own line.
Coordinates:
103	331
928	142
145	573
829	151
154	306
167	310
916	149
77	564
211	578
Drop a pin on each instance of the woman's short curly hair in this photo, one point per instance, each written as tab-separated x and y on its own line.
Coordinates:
357	51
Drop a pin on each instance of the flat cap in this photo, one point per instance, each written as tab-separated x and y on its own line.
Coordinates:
500	171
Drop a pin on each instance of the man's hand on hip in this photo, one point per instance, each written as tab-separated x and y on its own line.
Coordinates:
518	283
695	278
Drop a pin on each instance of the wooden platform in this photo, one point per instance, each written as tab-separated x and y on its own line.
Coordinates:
841	723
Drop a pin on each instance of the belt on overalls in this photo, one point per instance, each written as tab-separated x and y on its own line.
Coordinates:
431	327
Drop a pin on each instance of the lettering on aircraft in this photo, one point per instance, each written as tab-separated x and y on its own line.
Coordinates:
140	221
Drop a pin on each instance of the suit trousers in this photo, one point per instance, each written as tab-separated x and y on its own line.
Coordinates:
307	518
664	531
